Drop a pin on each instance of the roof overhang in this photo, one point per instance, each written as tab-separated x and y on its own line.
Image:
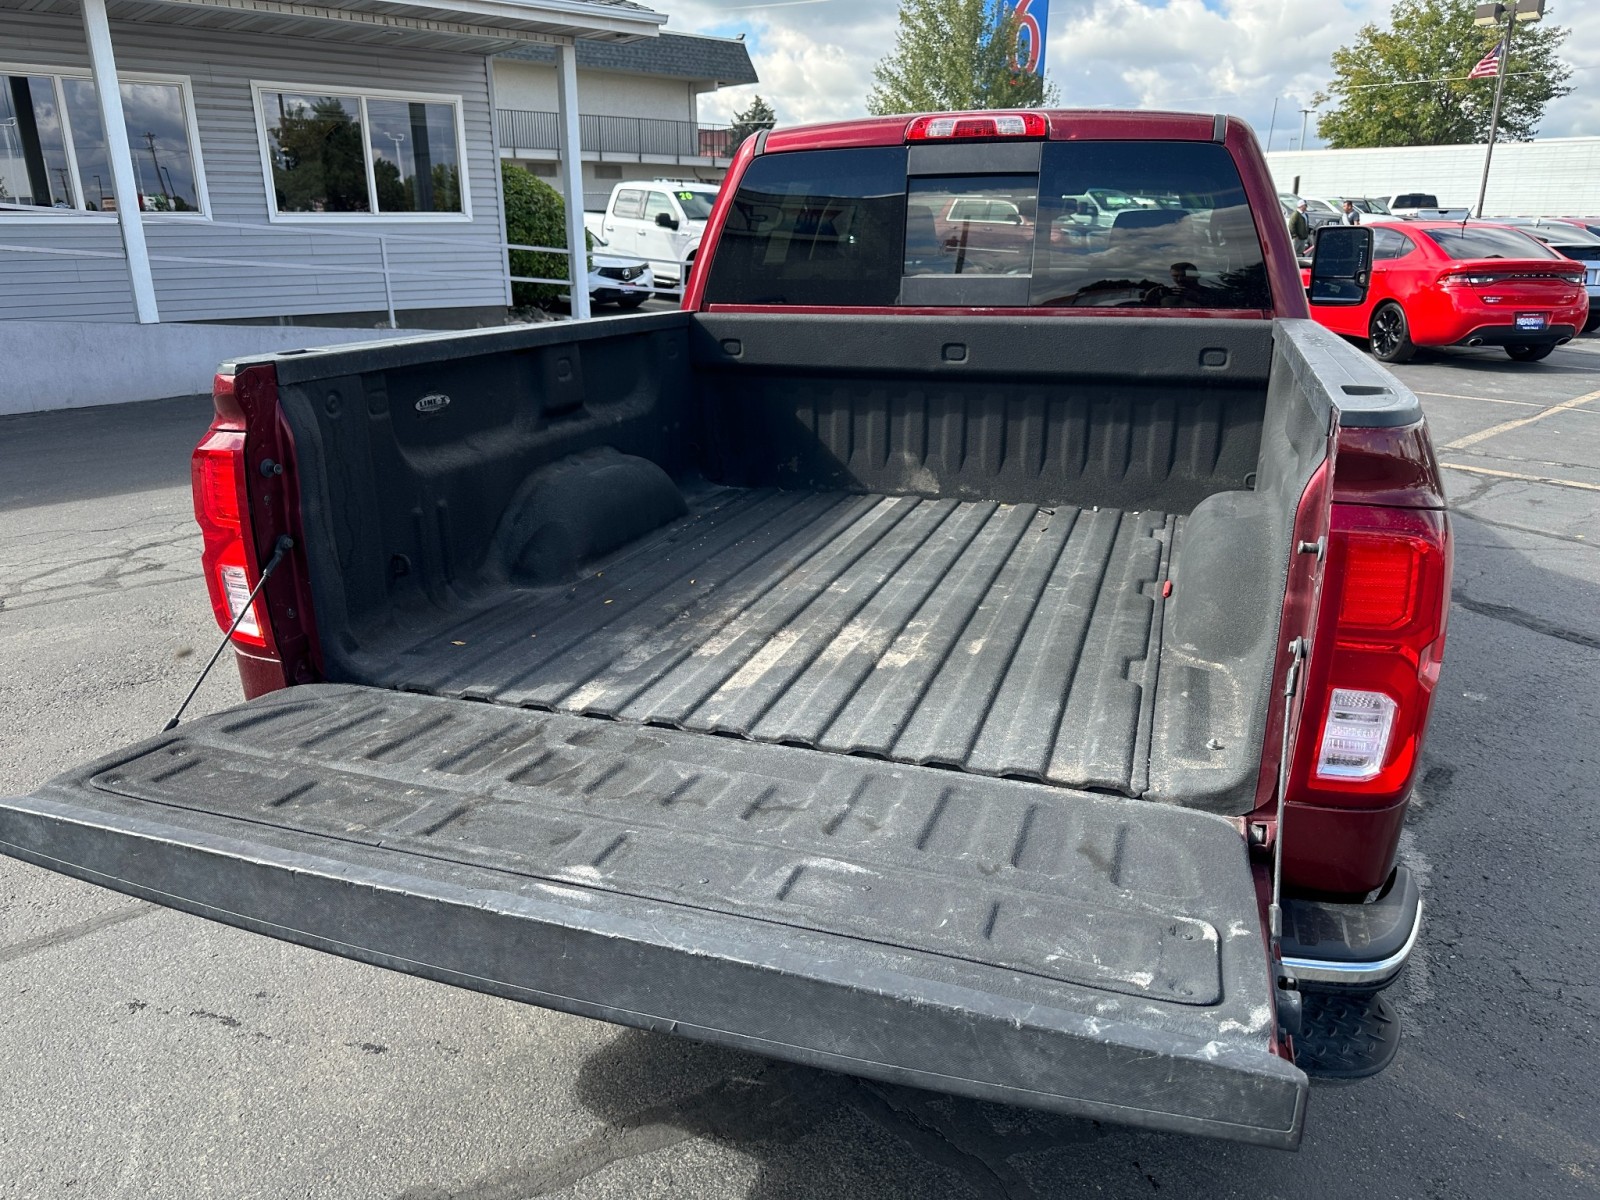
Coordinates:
470	26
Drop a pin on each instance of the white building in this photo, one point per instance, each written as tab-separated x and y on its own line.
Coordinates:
264	161
1548	178
639	103
183	181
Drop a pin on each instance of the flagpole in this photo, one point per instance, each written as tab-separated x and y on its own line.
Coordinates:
1494	117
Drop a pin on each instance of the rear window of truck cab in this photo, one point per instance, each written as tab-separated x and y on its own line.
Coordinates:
1136	224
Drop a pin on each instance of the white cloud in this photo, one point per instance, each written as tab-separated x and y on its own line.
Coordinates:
815	58
805	79
1578	115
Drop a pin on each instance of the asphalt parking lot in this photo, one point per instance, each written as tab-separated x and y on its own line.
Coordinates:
148	1053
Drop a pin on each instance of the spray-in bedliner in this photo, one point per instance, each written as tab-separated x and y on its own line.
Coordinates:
1001	639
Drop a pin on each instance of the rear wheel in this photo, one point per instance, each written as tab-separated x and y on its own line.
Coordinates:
1390	335
1530	353
633	299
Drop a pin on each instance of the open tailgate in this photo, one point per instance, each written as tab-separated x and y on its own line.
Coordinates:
992	938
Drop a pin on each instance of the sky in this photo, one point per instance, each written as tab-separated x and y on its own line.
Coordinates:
815	57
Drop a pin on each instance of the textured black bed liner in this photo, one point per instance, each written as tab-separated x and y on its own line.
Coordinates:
994	938
1004	640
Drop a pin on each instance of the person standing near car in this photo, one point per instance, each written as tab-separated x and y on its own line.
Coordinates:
1300	228
1348	215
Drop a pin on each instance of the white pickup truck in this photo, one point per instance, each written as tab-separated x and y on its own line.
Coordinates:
1422	206
660	220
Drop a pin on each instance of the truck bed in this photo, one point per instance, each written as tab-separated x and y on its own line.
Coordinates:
932	541
1001	639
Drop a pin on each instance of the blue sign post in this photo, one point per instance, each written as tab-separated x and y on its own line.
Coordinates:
1032	16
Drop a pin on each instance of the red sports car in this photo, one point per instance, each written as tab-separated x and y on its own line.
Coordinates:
1453	283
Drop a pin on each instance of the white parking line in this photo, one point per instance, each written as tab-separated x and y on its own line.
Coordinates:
1472	439
1566	483
1485	399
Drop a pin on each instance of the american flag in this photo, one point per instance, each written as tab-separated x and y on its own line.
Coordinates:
1489	65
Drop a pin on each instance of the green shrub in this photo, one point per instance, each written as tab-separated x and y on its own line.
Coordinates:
535	216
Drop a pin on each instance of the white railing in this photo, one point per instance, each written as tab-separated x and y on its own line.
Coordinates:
382	268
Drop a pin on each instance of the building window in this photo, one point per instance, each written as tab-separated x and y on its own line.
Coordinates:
336	153
53	152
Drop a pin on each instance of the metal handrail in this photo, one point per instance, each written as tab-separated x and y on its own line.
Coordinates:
529	129
383	269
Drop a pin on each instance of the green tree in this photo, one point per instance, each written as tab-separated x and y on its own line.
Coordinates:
318	160
955	55
1376	104
751	121
535	216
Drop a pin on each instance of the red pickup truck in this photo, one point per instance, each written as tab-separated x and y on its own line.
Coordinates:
1003	673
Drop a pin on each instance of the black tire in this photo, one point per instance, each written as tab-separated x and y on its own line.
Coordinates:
1389	334
1530	353
633	299
1592	323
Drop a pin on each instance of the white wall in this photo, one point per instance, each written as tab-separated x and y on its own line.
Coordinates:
1550	177
602	93
77	364
460	264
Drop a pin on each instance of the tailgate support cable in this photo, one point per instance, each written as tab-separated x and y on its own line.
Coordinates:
1297	655
284	544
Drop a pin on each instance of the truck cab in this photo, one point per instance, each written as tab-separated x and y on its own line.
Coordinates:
1420	206
660	221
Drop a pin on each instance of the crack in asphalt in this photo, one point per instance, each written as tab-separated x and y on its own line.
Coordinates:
1526	620
778	1102
963	1155
1571	539
71	933
764	1105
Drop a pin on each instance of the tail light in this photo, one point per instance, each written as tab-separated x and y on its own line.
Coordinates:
1482	278
977	125
228	556
1375	658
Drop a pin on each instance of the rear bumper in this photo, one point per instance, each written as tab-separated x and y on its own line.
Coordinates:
1353	947
703	887
1510	335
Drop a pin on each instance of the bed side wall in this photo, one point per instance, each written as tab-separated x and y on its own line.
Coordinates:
1134	414
411	453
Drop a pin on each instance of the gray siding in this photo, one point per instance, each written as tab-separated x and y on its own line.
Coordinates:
462	267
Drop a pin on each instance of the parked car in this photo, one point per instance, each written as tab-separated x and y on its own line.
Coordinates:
1573	241
1437	283
990	232
1317	215
621	279
925	676
1318	212
1098	207
1367	206
1422	206
661	220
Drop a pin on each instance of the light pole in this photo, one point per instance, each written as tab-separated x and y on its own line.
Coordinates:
1305	114
1490	15
1274	124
